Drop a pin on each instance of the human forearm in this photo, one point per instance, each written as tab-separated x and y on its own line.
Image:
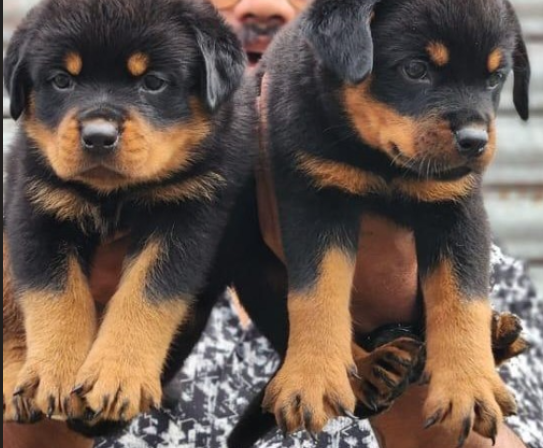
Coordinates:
47	434
403	426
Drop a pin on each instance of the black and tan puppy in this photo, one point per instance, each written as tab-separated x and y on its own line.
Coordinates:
389	107
126	114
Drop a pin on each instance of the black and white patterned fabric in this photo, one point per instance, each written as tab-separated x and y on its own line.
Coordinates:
231	364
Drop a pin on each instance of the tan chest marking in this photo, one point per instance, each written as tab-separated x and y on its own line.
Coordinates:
352	180
331	174
203	187
64	205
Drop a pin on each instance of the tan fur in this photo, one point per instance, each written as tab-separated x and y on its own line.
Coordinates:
74	64
448	309
460	360
14	343
64	205
203	187
13	327
383	128
60	327
320	335
437	191
327	173
138	64
439	53
61	148
495	60
145	153
129	354
408	141
148	154
332	174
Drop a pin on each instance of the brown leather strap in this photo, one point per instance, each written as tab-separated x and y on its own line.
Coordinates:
268	211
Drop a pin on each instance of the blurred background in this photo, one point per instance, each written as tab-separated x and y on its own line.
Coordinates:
514	185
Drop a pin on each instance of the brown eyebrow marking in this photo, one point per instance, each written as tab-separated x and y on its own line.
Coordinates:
439	53
74	63
138	64
495	60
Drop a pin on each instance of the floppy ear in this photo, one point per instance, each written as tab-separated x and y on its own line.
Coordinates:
16	77
521	68
340	34
224	63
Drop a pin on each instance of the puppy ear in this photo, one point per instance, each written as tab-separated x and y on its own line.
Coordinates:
224	63
521	68
340	34
16	77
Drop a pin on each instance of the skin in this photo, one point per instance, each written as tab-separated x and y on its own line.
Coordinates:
381	298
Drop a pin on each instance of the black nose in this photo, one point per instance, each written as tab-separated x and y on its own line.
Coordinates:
471	142
100	137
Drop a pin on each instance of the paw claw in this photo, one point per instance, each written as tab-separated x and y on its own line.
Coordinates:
353	373
386	372
19	391
433	420
282	423
123	410
314	437
51	407
350	415
35	416
79	391
114	392
466	430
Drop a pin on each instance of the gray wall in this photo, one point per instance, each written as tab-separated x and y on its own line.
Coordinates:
514	185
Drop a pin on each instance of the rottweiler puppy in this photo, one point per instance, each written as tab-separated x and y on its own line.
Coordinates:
389	107
128	124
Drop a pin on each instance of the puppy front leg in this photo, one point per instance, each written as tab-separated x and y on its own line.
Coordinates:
121	377
313	385
14	347
466	392
58	311
167	268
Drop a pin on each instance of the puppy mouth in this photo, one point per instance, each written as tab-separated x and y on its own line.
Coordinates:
101	173
429	168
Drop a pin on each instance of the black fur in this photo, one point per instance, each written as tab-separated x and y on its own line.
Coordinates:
306	71
336	31
188	44
521	67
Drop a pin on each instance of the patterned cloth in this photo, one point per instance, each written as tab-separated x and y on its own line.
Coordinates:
231	364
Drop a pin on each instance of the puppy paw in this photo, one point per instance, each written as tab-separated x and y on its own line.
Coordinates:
462	404
507	340
45	387
116	390
307	395
385	374
17	410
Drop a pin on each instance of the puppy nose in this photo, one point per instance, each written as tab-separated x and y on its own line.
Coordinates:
471	142
100	137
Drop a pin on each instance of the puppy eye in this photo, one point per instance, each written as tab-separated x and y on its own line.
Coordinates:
62	81
417	71
495	80
152	83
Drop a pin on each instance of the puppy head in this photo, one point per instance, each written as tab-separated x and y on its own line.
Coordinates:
115	93
430	98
